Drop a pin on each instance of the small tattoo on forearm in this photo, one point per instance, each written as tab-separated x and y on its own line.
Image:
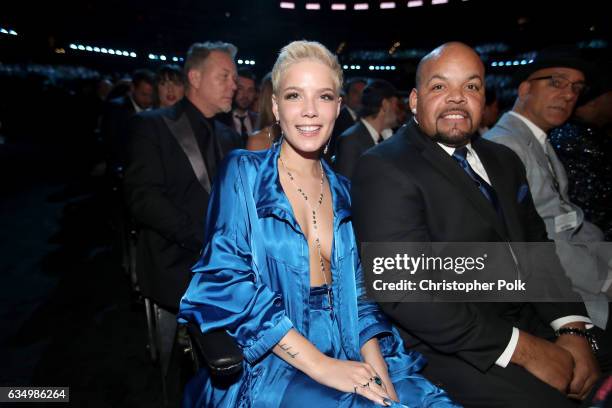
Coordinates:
286	349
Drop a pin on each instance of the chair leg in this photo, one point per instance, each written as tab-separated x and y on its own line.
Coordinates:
166	333
150	312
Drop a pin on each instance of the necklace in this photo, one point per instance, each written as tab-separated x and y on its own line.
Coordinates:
314	212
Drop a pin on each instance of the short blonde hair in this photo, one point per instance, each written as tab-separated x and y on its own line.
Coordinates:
305	50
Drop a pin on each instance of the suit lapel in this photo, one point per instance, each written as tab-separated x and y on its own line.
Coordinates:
182	131
364	136
499	181
465	186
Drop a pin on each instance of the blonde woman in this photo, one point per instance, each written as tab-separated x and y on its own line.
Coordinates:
280	270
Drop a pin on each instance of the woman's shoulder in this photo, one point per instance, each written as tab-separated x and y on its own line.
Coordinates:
241	161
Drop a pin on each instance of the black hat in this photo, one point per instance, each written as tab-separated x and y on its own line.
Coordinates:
565	56
599	83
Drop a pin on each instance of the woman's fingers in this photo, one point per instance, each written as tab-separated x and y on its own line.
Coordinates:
374	396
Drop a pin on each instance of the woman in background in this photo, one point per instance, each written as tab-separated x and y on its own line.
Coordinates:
169	85
280	270
268	130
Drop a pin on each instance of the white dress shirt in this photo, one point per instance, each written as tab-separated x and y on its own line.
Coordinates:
238	123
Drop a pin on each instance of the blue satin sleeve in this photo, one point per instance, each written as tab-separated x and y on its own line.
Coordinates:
225	292
372	321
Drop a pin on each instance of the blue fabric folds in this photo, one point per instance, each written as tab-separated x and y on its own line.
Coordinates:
253	281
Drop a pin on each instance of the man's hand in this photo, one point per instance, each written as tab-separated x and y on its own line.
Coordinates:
586	368
547	361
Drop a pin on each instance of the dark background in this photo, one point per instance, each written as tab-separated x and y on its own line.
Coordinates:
67	314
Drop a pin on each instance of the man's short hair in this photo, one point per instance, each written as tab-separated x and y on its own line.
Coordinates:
199	52
247	73
143	75
352	81
375	91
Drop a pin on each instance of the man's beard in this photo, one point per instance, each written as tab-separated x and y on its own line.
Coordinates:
458	139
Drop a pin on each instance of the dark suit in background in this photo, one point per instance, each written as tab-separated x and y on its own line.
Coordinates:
114	129
350	146
228	120
343	122
173	157
410	190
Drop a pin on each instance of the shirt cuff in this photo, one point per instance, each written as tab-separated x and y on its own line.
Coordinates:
372	331
505	357
267	339
558	323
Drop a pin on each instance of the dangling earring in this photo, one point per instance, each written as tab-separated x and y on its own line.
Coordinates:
280	138
327	146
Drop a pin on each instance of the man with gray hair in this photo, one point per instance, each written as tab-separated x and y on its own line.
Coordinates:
173	156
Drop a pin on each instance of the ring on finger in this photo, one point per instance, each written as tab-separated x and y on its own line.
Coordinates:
354	389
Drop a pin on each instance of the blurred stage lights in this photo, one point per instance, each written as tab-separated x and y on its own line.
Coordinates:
162	57
382	67
351	67
102	50
510	63
245	62
290	5
8	31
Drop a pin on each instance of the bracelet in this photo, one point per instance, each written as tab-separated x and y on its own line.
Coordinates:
579	332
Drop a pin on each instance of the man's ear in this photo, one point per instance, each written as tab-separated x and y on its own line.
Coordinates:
524	88
412	100
193	76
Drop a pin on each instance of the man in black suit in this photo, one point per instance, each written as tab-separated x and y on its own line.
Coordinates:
413	189
114	126
351	102
378	111
174	154
241	118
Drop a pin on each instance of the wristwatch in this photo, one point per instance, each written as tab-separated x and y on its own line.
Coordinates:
579	332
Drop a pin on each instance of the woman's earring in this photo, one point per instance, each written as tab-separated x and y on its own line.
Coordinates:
280	137
327	146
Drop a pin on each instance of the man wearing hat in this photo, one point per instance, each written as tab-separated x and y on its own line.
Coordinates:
547	93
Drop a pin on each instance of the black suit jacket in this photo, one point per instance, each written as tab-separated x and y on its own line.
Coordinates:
350	146
343	122
114	129
228	120
409	189
167	200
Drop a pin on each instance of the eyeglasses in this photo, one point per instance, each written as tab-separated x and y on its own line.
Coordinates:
559	82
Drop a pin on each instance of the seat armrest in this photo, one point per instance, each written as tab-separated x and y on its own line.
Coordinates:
216	350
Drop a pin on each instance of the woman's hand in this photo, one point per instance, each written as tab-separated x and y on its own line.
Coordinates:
352	376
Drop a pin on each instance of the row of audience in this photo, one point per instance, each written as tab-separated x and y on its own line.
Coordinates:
515	355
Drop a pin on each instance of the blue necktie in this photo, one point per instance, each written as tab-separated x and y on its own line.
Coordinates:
460	155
